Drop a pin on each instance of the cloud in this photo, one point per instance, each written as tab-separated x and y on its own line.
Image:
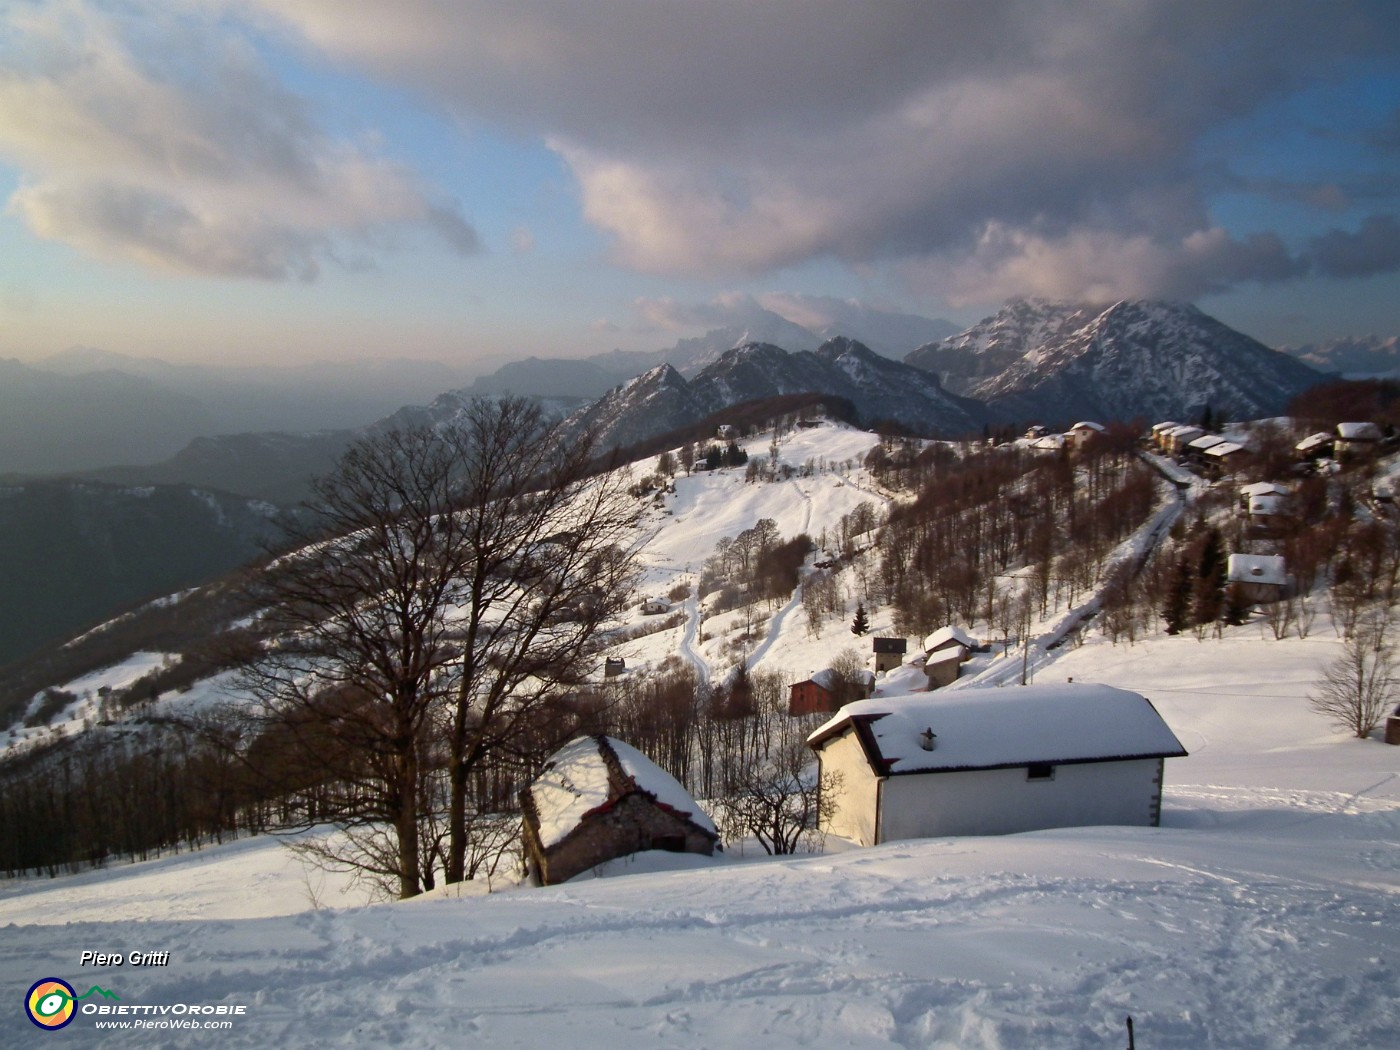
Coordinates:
1373	249
729	309
743	136
160	140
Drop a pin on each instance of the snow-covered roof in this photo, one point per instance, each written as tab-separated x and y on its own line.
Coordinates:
1313	441
1225	448
996	728
575	781
654	780
1049	443
1164	426
1089	425
1358	432
1263	488
1185	432
1205	441
951	653
1265	503
1256	568
944	635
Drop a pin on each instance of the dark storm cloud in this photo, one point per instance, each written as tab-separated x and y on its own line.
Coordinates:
1373	249
732	137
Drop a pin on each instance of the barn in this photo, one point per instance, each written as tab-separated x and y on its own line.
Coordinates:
993	762
598	799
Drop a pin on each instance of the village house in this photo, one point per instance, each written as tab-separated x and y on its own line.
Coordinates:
943	666
1227	457
1158	436
1314	446
1250	492
1083	433
1356	439
1178	438
1257	577
949	637
889	653
1196	450
993	762
655	607
826	691
598	799
1264	504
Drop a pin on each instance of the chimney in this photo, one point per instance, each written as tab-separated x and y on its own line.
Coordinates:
928	739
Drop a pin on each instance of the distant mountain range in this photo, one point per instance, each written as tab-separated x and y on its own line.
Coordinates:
1364	356
879	389
1047	362
1055	362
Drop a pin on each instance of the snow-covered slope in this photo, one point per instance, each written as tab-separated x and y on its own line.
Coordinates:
1057	362
1261	914
880	389
995	343
1150	359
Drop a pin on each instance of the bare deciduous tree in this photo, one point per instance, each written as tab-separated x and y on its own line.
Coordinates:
1356	689
421	645
778	798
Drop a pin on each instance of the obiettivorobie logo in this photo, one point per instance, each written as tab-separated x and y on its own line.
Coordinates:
52	1002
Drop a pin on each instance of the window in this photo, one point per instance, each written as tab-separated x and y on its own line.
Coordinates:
1040	771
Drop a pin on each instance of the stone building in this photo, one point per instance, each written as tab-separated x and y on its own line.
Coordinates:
598	799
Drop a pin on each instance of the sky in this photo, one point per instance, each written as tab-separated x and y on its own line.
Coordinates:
254	181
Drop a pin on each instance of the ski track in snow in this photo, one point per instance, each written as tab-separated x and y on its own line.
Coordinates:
1044	940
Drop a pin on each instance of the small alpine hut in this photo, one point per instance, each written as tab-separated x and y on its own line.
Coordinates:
598	799
994	762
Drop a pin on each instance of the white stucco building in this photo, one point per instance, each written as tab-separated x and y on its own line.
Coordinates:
994	761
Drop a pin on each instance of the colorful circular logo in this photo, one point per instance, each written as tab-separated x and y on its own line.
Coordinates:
49	1003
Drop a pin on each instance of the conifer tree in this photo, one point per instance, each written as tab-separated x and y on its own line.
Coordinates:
861	624
1178	602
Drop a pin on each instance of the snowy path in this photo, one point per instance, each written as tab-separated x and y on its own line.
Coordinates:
776	622
692	630
1049	646
775	629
